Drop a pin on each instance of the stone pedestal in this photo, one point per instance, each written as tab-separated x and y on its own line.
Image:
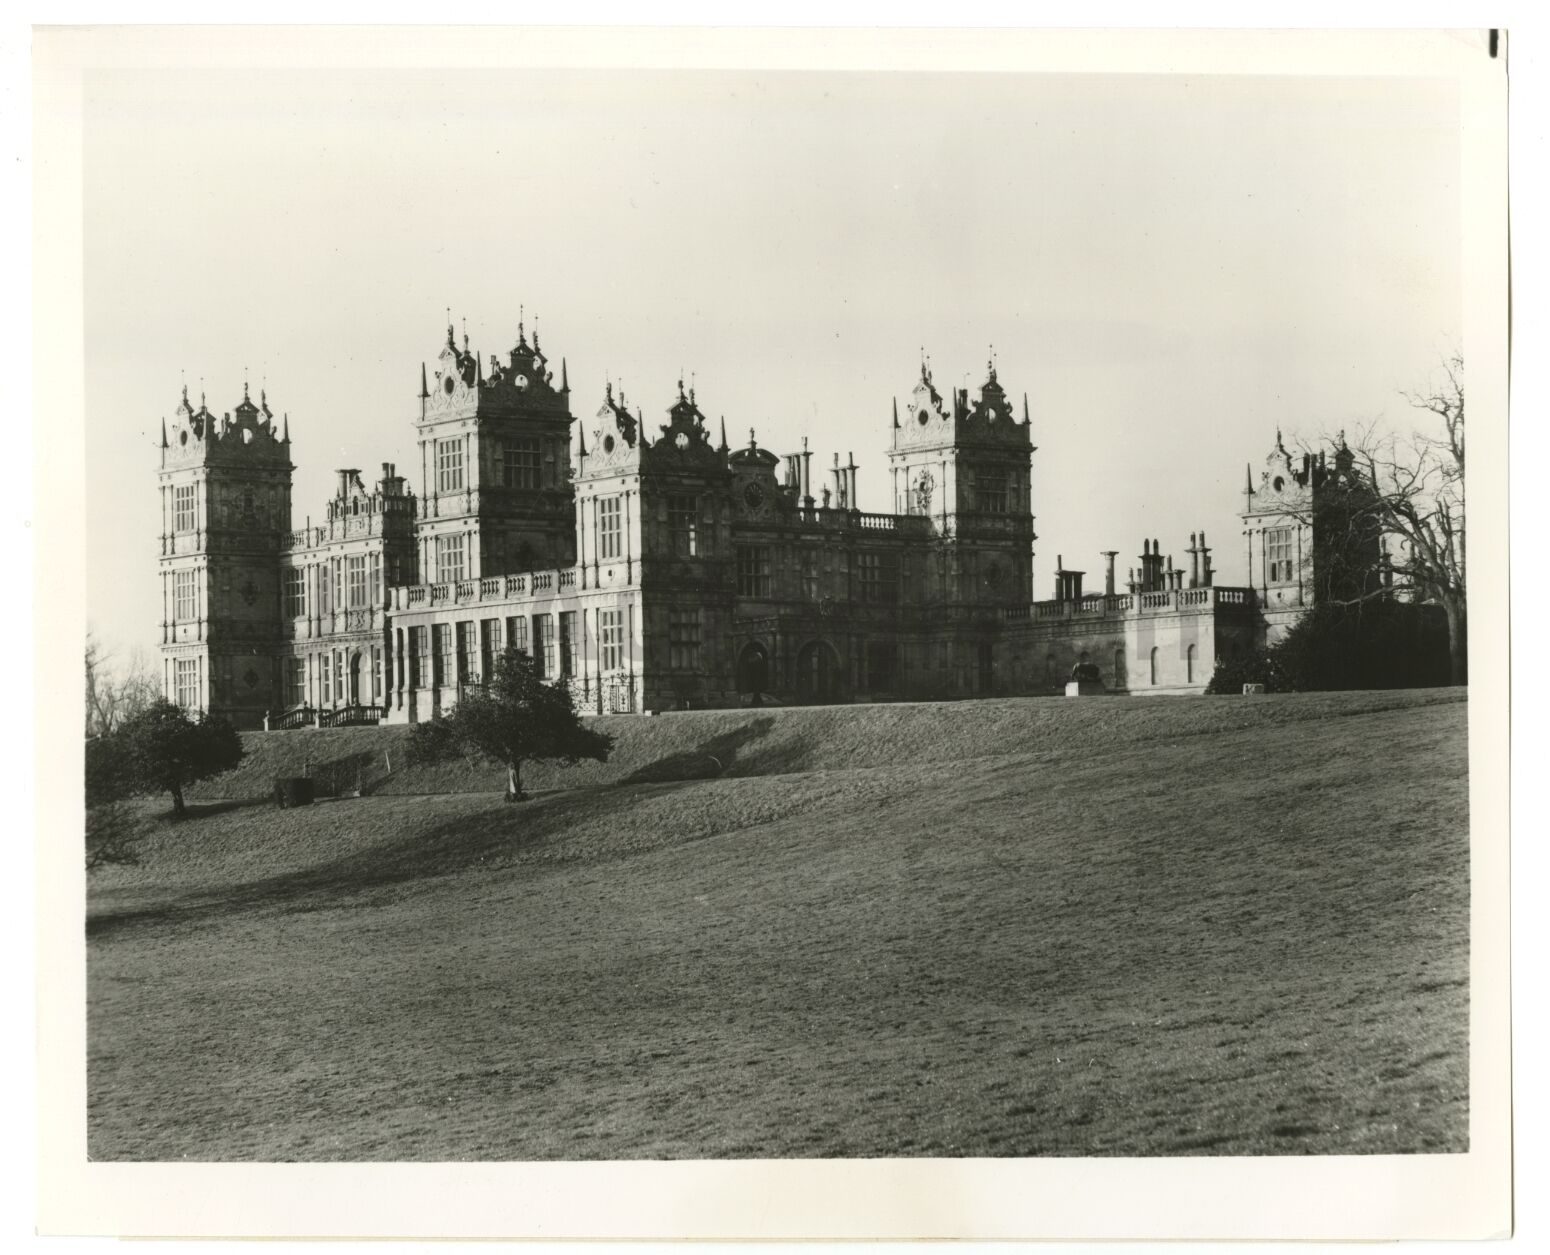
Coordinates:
1085	688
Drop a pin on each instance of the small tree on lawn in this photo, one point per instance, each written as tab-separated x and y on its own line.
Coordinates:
112	826
165	751
515	719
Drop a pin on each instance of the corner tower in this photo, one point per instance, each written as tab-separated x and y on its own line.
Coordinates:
966	466
494	464
225	486
1311	533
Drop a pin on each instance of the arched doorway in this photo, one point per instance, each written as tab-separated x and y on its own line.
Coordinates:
356	669
753	670
818	672
1189	665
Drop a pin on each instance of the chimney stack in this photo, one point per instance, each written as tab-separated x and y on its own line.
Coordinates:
1108	574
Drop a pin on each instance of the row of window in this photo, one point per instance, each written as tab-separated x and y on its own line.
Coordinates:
878	574
185	508
352	678
464	652
520	462
349	583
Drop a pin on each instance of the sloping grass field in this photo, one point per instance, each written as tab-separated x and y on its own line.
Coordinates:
1020	927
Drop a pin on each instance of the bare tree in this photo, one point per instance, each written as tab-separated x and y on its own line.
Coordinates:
1391	516
116	693
1420	484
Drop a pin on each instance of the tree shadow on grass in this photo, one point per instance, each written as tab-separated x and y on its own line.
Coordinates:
722	755
494	837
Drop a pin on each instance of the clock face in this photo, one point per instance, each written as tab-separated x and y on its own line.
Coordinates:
753	496
924	417
520	382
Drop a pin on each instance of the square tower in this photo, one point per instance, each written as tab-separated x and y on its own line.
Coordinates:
966	467
225	486
494	465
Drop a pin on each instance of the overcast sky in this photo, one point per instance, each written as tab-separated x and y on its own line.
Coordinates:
1169	267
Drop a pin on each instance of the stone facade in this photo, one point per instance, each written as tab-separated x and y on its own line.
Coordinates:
669	570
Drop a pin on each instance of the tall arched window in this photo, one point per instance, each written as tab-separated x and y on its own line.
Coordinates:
1189	665
1154	664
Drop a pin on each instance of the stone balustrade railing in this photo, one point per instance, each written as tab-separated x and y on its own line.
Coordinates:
489	588
1159	602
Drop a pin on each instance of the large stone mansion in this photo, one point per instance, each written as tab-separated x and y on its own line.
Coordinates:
668	570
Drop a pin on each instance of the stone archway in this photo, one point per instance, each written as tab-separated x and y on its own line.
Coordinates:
753	670
357	666
818	672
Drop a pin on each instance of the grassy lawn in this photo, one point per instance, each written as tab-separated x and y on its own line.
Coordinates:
1022	927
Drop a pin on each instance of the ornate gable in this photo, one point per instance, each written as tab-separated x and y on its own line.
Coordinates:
685	439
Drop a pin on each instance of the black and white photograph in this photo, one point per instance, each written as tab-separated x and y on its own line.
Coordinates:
711	610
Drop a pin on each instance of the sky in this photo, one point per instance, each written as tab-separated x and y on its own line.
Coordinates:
1171	268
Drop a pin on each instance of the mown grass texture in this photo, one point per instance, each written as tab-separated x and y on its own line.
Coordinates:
1221	926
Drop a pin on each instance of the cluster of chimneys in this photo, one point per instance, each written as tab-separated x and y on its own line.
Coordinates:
1154	578
799	477
390	485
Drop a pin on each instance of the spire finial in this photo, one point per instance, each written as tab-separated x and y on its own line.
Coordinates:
724	445
1026	420
424	383
564	377
608	389
451	336
285	422
465	334
896	411
680	383
163	433
753	441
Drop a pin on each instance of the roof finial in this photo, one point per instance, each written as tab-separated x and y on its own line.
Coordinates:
285	421
564	377
535	333
724	445
521	324
424	385
465	333
680	383
691	387
608	388
451	340
1026	421
753	441
163	433
896	411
